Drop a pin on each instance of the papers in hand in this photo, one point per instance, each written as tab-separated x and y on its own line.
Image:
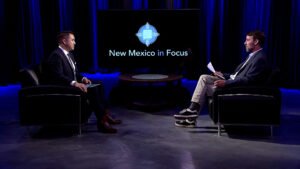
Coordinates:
91	85
211	68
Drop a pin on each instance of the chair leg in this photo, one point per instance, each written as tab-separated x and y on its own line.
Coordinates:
79	129
79	108
28	131
219	129
271	131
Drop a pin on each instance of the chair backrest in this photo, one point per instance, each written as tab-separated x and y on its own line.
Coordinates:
30	76
273	80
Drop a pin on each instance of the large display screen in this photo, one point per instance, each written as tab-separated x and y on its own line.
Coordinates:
146	38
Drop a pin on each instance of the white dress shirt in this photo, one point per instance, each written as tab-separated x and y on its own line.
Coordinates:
71	63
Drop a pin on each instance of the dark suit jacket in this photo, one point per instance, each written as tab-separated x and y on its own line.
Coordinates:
57	69
253	73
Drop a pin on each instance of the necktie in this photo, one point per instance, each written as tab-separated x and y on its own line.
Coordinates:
72	65
244	64
234	75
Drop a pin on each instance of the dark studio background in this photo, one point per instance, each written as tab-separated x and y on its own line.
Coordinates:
29	27
149	139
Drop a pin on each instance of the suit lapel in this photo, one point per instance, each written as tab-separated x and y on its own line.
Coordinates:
65	60
249	62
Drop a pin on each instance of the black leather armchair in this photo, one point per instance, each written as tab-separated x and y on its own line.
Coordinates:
247	105
50	104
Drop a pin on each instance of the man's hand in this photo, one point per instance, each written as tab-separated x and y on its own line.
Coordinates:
81	86
86	81
220	83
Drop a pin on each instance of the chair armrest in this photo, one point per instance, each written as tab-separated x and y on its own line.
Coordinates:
255	90
50	104
50	89
246	105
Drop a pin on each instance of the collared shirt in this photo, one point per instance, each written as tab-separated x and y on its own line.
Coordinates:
65	52
232	77
67	56
71	62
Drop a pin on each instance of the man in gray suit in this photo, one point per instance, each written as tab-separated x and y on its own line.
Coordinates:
250	72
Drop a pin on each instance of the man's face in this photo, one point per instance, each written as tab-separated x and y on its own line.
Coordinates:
69	42
250	43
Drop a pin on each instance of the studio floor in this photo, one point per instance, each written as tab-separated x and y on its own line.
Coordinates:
149	140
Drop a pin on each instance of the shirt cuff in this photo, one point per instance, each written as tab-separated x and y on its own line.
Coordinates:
73	82
83	78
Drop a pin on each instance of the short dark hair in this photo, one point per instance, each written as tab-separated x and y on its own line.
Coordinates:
257	34
63	35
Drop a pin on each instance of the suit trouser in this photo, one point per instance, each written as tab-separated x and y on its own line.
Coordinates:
205	87
97	99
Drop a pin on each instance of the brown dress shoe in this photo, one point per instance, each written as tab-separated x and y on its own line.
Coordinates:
104	127
110	120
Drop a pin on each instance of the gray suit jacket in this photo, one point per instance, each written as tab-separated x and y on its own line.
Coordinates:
253	73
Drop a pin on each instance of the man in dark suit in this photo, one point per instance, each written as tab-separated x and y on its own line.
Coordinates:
250	72
60	69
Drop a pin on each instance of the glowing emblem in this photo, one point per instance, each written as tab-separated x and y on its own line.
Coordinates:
147	34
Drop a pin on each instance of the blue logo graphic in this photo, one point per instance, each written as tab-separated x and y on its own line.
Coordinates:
147	34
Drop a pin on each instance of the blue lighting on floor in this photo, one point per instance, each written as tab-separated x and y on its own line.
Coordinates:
10	90
101	75
294	91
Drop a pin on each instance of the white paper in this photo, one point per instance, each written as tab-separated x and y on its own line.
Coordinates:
212	69
91	85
